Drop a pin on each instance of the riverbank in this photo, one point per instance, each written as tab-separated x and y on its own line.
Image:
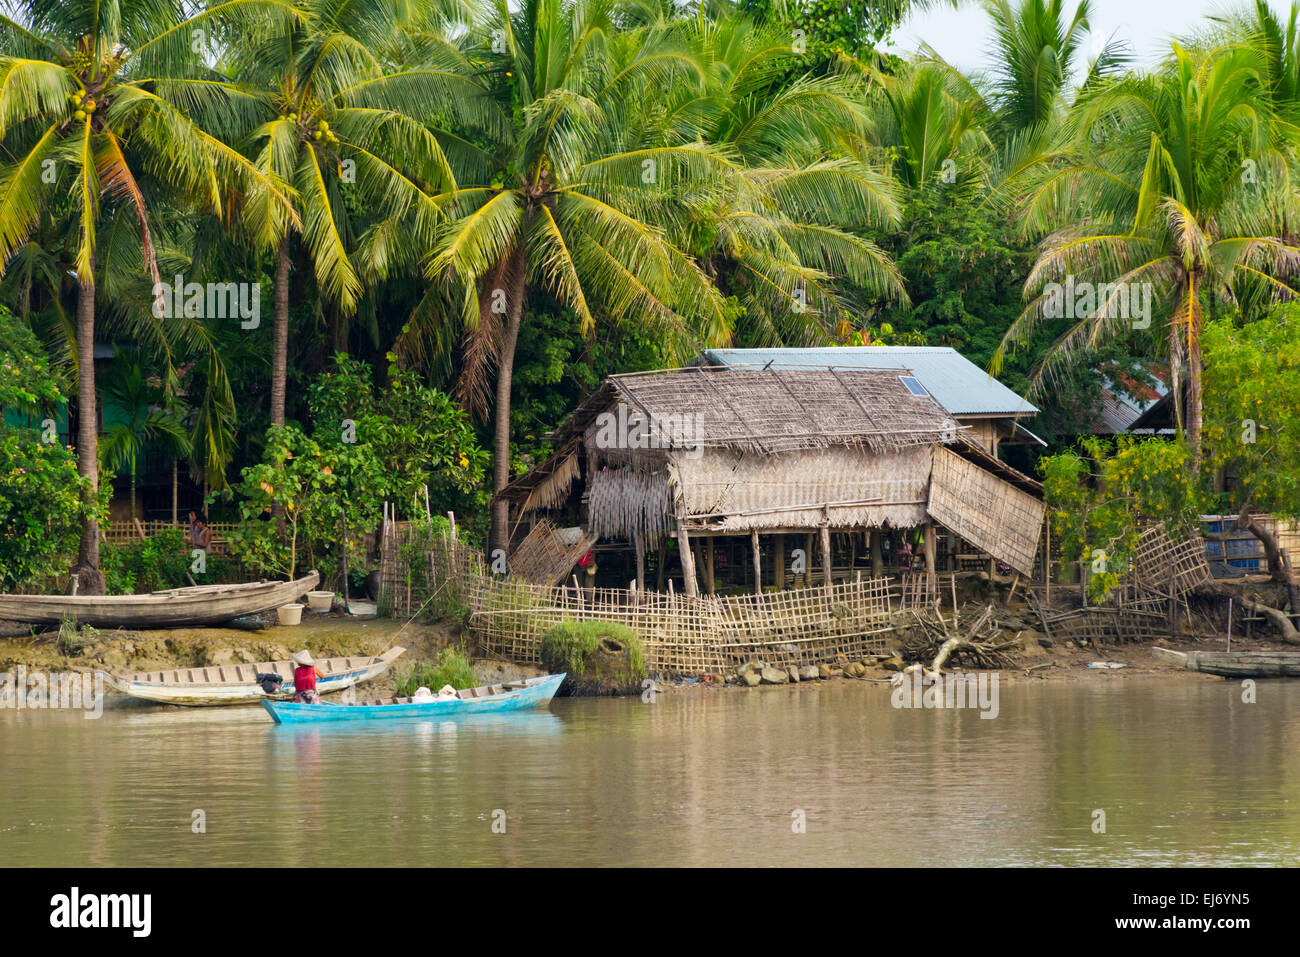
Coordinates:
335	636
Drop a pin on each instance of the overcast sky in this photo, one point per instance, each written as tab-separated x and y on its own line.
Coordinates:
964	39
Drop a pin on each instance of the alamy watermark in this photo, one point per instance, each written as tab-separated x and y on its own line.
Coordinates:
21	690
630	429
949	690
212	300
1108	300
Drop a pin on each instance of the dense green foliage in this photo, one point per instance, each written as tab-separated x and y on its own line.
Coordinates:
40	492
1252	401
462	212
1103	494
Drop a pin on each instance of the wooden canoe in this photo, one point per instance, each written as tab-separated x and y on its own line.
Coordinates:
514	696
237	684
1237	664
174	608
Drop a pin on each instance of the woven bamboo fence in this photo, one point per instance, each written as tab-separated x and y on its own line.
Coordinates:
1148	600
682	635
126	532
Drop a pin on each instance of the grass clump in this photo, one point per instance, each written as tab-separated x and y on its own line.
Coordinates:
452	667
568	645
73	641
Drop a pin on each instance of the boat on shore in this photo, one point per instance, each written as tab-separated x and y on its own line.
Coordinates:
245	684
1237	664
172	608
512	696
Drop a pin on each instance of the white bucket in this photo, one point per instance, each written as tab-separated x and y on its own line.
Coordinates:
320	600
290	614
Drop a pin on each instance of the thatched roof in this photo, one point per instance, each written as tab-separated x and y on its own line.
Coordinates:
747	409
779	410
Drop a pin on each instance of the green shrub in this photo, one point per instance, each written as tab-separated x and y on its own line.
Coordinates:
451	668
73	641
157	563
565	647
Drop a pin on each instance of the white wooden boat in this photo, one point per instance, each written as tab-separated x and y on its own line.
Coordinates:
173	608
238	684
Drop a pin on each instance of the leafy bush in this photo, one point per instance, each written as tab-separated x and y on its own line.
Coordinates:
1100	497
158	562
451	668
40	492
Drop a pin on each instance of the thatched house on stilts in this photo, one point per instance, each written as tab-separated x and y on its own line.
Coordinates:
738	479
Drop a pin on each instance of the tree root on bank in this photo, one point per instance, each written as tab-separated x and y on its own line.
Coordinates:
1280	619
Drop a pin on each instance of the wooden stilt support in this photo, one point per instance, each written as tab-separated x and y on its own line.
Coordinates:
826	553
758	564
708	564
778	562
639	542
689	584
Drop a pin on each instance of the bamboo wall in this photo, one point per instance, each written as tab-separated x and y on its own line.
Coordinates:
682	635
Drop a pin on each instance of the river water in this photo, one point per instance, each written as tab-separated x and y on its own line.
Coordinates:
1184	771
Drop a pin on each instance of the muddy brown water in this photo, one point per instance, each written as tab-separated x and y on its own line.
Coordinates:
1185	772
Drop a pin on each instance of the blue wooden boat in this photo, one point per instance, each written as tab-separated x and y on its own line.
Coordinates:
513	696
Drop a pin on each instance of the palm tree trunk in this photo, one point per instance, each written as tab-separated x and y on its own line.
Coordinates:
516	276
90	580
280	346
1194	414
175	476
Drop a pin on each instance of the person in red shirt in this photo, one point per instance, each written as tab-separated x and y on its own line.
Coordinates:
305	674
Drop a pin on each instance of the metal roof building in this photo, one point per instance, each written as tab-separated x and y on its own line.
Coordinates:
965	391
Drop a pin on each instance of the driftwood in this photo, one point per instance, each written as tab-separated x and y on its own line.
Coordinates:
980	645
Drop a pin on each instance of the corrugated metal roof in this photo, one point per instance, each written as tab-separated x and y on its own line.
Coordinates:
1120	409
959	385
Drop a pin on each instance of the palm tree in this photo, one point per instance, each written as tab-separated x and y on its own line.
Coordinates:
146	420
1036	50
555	195
1180	180
97	96
784	235
931	123
345	125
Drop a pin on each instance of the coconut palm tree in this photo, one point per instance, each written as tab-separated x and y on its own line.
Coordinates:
1036	49
97	101
345	124
1181	179
802	181
557	195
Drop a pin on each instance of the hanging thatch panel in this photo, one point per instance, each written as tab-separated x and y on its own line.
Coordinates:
547	556
624	501
553	489
843	486
991	514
